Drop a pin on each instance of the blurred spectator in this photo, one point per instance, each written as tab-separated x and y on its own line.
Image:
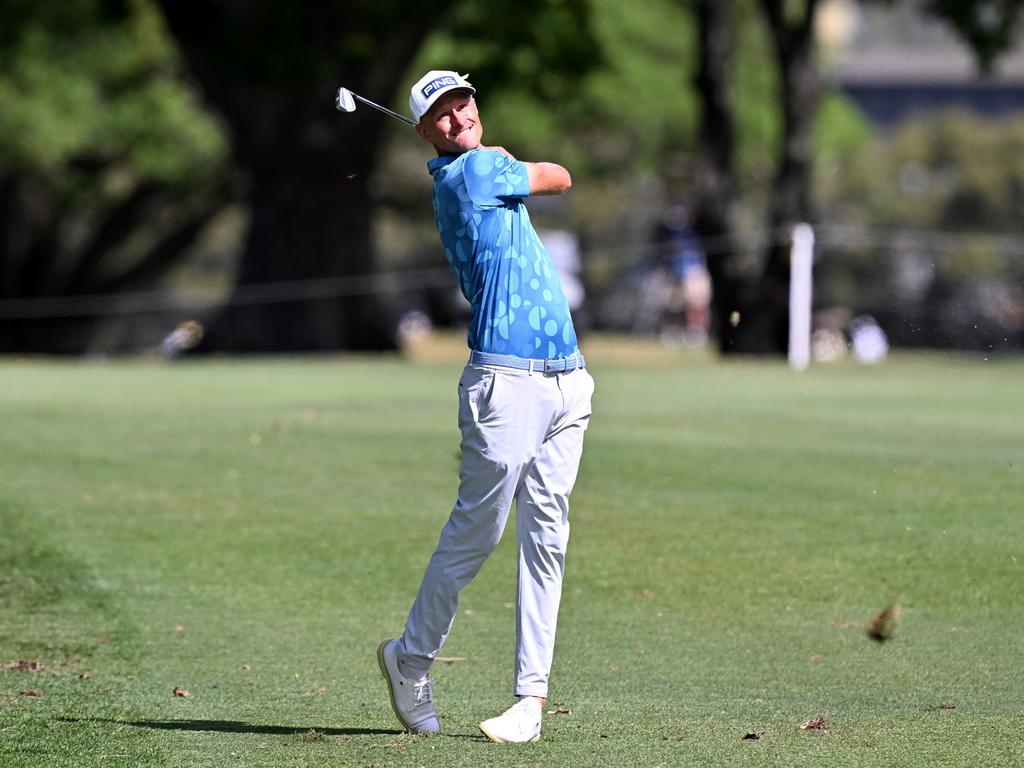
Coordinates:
685	303
827	345
185	336
868	340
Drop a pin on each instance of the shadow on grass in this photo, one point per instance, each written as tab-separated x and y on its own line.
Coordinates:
234	726
237	726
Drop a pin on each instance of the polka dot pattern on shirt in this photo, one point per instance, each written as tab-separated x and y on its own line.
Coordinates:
505	272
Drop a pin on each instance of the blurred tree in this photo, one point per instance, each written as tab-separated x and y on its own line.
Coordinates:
716	185
751	307
759	300
990	28
271	70
791	24
954	170
108	169
577	93
939	261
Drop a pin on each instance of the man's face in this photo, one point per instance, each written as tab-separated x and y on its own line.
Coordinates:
452	125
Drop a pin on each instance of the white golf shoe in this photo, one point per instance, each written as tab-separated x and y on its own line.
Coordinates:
519	723
412	700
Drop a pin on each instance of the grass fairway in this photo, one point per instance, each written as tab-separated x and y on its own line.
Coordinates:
249	531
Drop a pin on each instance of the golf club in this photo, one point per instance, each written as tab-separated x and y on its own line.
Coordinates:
346	103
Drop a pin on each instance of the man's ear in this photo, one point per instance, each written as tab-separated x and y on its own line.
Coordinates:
422	131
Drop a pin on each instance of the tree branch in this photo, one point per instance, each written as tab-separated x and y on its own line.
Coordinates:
121	221
172	246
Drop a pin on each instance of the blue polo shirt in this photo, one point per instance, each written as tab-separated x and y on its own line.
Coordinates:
505	272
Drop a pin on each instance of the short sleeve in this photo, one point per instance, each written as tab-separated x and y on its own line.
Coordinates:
494	179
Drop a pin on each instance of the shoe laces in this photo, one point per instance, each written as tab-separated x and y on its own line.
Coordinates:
423	691
525	706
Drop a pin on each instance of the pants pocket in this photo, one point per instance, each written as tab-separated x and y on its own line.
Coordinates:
475	389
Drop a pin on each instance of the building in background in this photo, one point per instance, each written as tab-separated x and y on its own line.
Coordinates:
894	61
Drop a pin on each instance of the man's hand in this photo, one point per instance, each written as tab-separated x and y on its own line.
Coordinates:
503	151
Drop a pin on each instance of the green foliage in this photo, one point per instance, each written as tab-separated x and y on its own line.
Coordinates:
165	136
100	87
599	84
540	46
755	99
953	171
841	132
619	101
638	109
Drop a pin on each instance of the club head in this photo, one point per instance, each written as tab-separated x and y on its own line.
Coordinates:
344	101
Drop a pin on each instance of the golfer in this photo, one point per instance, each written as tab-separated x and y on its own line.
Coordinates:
524	405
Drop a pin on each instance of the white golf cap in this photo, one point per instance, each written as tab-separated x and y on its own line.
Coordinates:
432	86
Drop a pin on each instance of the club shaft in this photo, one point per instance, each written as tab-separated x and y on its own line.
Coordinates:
385	110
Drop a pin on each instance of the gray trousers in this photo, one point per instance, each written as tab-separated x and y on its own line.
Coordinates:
522	438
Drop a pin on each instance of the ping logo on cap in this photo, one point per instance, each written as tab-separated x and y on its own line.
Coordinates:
437	84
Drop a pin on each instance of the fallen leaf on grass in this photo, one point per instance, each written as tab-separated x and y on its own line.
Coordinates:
946	706
180	692
316	692
753	735
31	666
561	708
30	693
179	627
449	659
246	667
883	623
313	735
85	676
816	723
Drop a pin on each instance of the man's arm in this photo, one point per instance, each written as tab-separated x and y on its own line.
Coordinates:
545	178
548	178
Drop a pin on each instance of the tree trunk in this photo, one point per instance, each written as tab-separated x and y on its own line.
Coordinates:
791	202
308	224
30	255
39	261
274	81
716	173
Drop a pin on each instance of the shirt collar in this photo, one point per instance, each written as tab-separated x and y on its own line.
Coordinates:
440	162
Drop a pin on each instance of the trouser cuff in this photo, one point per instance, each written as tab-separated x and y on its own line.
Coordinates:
541	692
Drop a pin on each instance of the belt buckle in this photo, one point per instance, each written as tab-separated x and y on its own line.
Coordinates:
562	364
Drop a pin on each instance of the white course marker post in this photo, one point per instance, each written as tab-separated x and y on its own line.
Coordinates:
800	262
